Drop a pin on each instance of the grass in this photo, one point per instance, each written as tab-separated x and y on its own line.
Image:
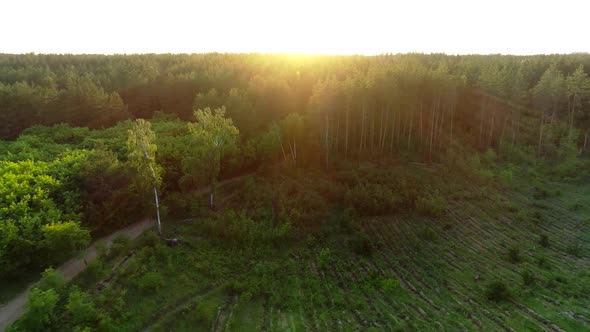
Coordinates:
477	267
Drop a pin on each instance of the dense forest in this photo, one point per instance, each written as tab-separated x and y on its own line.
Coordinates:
91	143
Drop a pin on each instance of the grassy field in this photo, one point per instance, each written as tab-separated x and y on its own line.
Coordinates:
498	259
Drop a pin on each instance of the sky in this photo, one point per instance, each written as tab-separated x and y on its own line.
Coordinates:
294	26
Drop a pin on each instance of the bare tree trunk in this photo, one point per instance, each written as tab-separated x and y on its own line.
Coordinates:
372	131
327	141
157	209
421	133
385	129
392	133
284	155
336	137
346	139
451	131
362	128
541	135
432	130
410	130
483	104
295	152
491	131
502	137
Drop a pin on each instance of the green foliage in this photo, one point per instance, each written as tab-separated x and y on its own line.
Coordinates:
497	291
324	258
373	199
390	285
528	278
142	153
40	314
149	281
514	255
51	279
544	240
121	244
61	240
80	307
432	204
574	249
37	201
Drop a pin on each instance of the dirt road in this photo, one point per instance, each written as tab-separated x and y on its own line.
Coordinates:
13	309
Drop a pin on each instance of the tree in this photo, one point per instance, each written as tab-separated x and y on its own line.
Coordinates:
578	88
547	97
292	130
142	155
213	136
40	314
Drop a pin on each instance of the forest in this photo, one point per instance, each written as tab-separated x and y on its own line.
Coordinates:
297	192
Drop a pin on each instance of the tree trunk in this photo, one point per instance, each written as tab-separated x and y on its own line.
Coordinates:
540	135
157	209
362	128
410	130
284	155
385	129
346	139
327	140
483	104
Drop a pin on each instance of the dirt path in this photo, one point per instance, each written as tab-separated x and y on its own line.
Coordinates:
13	309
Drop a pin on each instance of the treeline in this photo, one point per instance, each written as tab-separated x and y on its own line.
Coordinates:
351	105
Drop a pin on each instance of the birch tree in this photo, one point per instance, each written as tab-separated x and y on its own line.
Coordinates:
213	135
142	155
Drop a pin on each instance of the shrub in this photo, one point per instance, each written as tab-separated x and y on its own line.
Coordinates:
373	199
505	176
40	315
542	262
390	285
121	244
514	255
149	239
80	307
95	270
427	234
150	281
574	249
528	278
544	240
432	204
52	279
325	258
362	244
497	291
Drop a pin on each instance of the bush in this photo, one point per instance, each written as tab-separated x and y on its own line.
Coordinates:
427	234
95	270
544	240
40	314
432	204
514	255
80	307
121	244
51	279
325	258
373	199
497	291
390	285
150	281
362	244
574	249
528	278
